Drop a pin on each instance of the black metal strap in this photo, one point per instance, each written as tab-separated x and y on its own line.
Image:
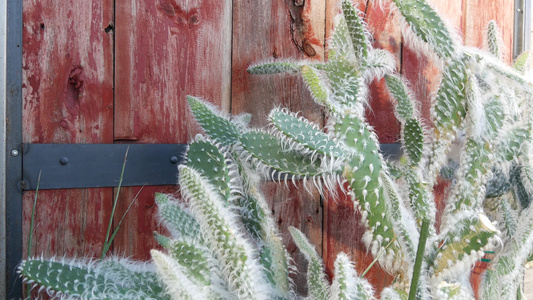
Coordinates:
64	166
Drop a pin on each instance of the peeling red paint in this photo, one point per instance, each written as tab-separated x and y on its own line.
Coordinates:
67	87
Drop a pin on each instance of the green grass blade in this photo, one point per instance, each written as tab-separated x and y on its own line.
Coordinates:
108	241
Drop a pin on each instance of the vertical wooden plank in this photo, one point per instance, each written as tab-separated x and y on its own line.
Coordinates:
165	50
135	236
270	29
68	222
342	222
478	13
68	98
387	36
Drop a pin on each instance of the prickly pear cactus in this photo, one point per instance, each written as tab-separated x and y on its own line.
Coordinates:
480	104
224	244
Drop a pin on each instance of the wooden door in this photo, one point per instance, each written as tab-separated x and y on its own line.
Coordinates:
118	71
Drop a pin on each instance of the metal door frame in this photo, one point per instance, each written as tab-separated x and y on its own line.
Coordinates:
11	130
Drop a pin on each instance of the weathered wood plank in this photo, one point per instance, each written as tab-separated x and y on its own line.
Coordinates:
68	222
477	15
68	98
386	36
135	236
342	226
270	29
165	50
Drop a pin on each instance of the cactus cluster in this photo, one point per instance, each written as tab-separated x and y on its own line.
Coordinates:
480	104
223	243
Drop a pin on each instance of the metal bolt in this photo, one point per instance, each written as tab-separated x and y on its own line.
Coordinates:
15	152
63	160
174	160
518	10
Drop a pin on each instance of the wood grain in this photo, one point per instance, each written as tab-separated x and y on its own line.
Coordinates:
270	29
135	237
67	98
165	50
267	30
386	36
342	222
477	15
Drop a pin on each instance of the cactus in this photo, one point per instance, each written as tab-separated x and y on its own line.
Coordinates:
479	102
113	279
224	243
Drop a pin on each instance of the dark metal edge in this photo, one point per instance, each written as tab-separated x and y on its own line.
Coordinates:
522	27
66	166
13	142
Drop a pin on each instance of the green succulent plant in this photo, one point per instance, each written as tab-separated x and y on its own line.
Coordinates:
224	243
480	104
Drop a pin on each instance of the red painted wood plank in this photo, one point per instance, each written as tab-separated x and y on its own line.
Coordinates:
135	236
386	36
270	29
165	50
343	229
478	13
67	98
68	222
